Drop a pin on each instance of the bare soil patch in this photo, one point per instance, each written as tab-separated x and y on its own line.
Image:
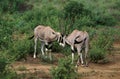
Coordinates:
37	69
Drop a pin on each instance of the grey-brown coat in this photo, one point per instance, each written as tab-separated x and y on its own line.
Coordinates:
77	40
46	35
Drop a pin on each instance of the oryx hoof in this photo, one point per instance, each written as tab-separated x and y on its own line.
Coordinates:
78	64
82	65
76	68
86	65
34	56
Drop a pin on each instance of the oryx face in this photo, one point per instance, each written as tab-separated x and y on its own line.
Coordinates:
62	41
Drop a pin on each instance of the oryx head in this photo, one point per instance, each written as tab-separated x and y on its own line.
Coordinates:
62	40
58	36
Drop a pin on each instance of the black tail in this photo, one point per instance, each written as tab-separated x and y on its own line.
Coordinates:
30	37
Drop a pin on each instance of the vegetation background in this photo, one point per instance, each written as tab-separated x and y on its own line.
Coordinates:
18	18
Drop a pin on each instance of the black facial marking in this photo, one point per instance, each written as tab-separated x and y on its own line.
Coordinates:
61	40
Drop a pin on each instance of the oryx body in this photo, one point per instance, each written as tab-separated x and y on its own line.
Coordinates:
77	40
46	35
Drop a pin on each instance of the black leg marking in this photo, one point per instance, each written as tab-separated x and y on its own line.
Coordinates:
73	51
48	46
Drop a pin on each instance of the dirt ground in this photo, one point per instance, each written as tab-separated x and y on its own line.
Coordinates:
41	70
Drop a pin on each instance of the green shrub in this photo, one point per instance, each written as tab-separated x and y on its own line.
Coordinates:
3	64
65	70
5	69
102	12
74	11
101	43
14	5
103	18
83	21
20	49
97	54
6	30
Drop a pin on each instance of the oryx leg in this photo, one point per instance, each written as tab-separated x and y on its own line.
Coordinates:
50	55
35	41
48	49
86	52
73	51
86	57
42	47
79	56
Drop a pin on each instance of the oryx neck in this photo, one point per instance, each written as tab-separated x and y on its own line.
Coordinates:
66	41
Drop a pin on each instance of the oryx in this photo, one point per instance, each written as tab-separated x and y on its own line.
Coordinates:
77	40
46	35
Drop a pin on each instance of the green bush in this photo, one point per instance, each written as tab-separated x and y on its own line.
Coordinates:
6	30
74	11
76	14
101	12
97	54
65	70
83	21
103	18
101	43
14	5
5	69
3	64
20	49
